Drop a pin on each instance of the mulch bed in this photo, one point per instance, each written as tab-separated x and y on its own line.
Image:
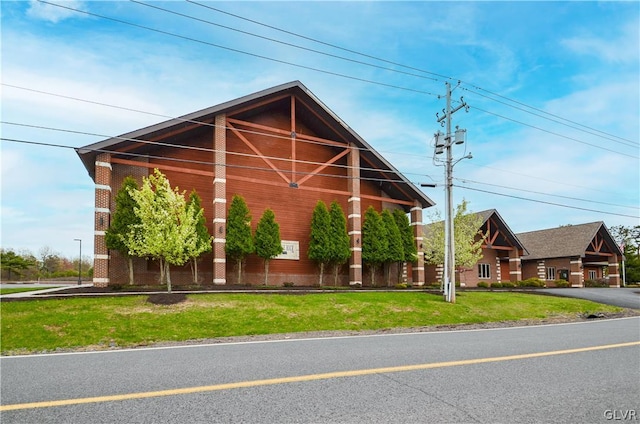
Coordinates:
166	298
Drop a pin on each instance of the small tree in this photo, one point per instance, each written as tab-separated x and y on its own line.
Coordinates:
408	241
239	242
10	262
122	221
466	226
167	230
319	240
203	238
267	240
339	239
395	251
374	241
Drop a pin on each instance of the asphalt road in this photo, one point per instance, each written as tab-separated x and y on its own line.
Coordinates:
623	297
568	373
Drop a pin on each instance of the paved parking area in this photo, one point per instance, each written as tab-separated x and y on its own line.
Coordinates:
623	297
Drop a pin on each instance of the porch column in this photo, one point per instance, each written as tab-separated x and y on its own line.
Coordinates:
614	271
515	266
219	200
576	278
416	223
354	220
102	215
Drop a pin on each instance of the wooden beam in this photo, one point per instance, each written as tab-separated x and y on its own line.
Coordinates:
293	139
323	120
259	104
323	166
163	167
257	152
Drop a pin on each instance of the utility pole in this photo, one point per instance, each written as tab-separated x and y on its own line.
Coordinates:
445	142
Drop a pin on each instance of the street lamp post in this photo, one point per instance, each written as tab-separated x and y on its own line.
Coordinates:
79	262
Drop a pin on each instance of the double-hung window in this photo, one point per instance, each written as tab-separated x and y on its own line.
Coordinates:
551	273
484	271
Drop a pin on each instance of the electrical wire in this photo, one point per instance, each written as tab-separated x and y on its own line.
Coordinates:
129	154
325	71
473	88
544	202
464	180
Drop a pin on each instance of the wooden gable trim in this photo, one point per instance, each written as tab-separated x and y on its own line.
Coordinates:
258	104
257	152
324	121
493	231
323	166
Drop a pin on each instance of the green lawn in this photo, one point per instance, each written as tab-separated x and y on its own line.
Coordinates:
44	325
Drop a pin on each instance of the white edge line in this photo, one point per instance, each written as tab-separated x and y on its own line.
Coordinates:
302	339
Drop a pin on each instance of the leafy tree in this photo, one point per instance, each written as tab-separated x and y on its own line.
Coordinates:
167	229
374	241
10	262
239	242
629	239
320	242
408	241
122	221
466	226
267	240
395	251
49	261
338	239
203	238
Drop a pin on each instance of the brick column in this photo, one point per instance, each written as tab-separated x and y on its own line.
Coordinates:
515	266
219	200
102	214
614	271
576	277
354	219
542	270
416	224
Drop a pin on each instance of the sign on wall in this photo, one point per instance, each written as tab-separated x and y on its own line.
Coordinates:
290	250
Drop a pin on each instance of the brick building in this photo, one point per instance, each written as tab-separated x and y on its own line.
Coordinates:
574	253
280	148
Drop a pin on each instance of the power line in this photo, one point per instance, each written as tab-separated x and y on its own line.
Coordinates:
208	150
555	133
557	119
546	203
271	59
326	71
273	40
464	180
29	142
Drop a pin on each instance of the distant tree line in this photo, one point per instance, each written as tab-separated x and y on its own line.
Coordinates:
48	264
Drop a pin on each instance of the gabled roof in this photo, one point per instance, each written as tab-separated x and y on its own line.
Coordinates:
321	118
503	227
567	241
509	236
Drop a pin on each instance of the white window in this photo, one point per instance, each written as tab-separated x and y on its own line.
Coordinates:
551	273
592	274
484	271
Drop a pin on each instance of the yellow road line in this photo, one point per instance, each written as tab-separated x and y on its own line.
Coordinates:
302	378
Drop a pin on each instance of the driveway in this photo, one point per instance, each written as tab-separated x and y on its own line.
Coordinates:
623	297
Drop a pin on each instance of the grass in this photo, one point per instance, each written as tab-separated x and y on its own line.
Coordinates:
45	325
22	289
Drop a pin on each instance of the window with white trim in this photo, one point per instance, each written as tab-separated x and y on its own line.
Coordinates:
593	274
551	273
484	271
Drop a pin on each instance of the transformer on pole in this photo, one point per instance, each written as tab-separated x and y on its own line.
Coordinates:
444	142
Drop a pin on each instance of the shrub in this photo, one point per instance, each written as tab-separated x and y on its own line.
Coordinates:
496	285
483	284
531	282
288	284
596	283
401	285
508	285
561	283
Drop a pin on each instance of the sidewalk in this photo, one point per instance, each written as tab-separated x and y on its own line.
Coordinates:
46	288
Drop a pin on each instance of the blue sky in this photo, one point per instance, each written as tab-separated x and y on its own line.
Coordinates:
553	90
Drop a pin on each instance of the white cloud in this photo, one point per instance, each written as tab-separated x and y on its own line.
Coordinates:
51	13
623	48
